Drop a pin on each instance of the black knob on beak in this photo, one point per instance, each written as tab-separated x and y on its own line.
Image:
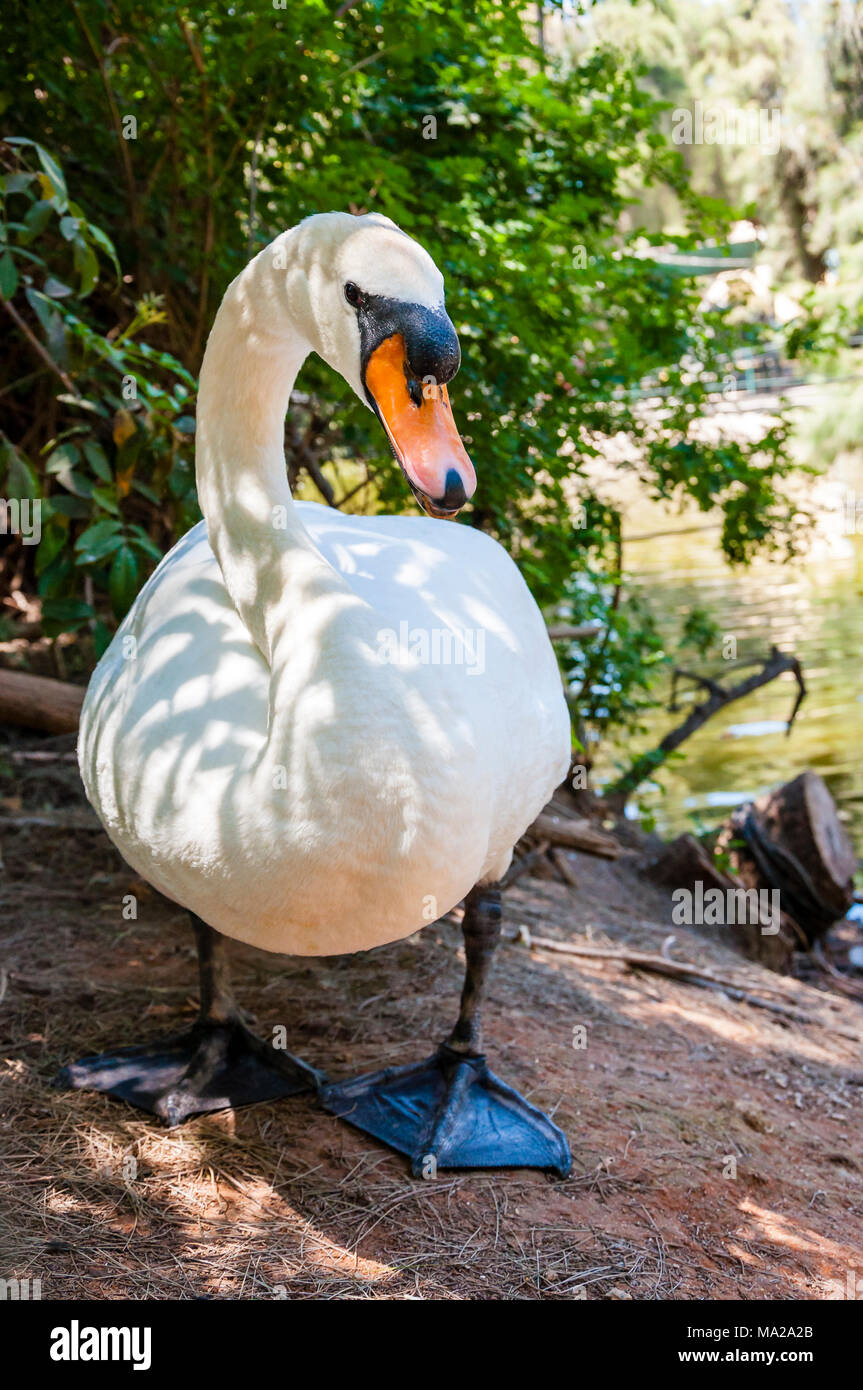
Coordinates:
454	494
432	345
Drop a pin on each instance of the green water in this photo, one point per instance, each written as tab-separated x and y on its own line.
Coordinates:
812	607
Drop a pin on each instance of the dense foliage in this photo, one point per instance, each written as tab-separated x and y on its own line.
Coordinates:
174	141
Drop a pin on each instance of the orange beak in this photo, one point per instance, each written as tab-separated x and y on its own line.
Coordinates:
418	418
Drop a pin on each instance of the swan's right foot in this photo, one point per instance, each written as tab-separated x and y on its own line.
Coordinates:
216	1065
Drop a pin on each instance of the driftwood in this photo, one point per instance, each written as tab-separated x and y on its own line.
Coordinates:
685	863
50	821
575	834
777	664
561	863
802	817
36	702
526	863
29	631
683	971
792	840
565	632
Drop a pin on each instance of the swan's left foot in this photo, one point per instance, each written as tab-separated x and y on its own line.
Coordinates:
450	1111
217	1065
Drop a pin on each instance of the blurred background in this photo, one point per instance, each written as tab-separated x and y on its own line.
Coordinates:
650	219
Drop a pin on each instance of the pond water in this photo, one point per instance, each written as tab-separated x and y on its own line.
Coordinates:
812	607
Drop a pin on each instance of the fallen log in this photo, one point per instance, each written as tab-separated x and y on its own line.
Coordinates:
526	864
792	840
37	702
561	863
566	632
685	863
802	817
47	820
575	834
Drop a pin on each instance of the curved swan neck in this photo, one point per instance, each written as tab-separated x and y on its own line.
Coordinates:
253	355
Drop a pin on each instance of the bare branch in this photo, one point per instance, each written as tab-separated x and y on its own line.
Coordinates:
777	664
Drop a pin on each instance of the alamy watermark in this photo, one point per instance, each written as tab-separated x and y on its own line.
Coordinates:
727	125
435	646
21	517
851	1289
20	1290
77	1343
726	907
852	514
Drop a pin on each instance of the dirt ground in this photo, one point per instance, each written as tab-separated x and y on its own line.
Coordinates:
716	1145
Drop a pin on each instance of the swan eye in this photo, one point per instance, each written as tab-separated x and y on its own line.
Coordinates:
353	295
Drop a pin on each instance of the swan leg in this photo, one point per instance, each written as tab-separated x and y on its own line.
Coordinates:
450	1111
217	1064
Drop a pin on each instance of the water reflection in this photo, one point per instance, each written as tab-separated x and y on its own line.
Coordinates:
813	607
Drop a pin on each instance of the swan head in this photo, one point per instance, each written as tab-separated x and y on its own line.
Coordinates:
376	314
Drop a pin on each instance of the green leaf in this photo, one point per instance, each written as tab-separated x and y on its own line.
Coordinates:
78	483
20	478
16	183
146	491
105	243
99	557
87	266
106	499
102	636
79	403
36	220
66	609
56	289
64	615
145	543
55	580
75	507
8	276
123	581
54	172
54	537
98	535
69	228
42	308
61	462
95	456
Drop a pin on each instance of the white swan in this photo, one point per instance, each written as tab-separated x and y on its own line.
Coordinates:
318	732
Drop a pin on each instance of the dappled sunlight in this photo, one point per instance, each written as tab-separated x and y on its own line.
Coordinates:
767	1236
729	1021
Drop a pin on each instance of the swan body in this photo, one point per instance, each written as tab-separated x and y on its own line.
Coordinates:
319	731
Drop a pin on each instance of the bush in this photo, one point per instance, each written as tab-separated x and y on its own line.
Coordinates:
511	169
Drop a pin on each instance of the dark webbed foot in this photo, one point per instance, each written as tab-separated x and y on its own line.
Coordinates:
450	1111
214	1066
217	1065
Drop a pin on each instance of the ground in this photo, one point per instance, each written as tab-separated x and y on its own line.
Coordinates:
716	1144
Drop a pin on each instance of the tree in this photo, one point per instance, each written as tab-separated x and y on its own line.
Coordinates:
189	137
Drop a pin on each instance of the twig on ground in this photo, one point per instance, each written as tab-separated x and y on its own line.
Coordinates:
683	971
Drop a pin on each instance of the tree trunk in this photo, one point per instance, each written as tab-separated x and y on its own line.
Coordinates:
792	840
39	703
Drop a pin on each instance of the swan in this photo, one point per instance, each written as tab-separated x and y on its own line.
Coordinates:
319	732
